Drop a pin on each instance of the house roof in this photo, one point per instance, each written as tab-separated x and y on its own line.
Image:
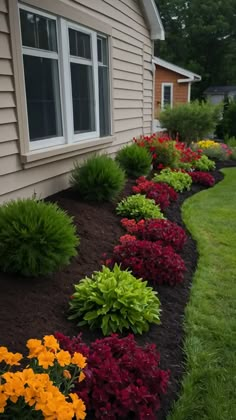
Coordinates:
153	19
190	76
214	90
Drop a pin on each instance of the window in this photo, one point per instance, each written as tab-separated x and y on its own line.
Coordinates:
167	95
66	69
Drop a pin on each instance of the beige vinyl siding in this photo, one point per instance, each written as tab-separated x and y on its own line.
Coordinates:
131	66
9	154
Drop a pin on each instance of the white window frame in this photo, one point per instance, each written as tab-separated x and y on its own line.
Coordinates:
64	59
163	85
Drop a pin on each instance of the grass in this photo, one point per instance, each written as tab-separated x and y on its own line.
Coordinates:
209	386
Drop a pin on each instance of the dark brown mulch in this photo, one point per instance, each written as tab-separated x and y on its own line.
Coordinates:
35	307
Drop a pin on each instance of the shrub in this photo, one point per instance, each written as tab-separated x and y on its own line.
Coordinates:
139	207
99	179
114	300
134	160
178	180
162	149
162	231
42	389
230	141
204	164
122	381
162	193
191	121
150	261
229	120
233	154
202	178
36	238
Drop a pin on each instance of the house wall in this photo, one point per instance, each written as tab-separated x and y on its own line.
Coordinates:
180	90
132	97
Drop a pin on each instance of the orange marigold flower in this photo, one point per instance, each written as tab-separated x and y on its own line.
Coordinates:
46	358
66	374
79	360
3	399
78	406
81	376
35	347
51	342
3	353
63	357
13	358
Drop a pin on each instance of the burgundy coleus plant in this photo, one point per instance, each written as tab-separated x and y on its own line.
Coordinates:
202	178
121	378
162	193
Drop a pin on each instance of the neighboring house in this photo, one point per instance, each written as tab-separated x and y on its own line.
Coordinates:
76	77
217	94
172	86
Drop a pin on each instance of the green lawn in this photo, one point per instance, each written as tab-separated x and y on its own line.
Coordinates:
209	387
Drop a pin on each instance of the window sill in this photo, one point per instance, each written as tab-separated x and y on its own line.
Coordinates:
52	154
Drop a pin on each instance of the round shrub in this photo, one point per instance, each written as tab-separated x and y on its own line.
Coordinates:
119	377
139	207
178	180
134	160
36	238
162	193
157	230
204	164
150	261
114	300
100	178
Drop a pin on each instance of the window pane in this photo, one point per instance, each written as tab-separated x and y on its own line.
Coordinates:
167	95
83	98
104	103
80	45
43	97
38	31
99	48
102	50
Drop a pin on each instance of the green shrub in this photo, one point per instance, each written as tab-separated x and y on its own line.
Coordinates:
230	141
233	155
100	178
114	300
204	164
139	207
191	121
36	238
229	119
135	160
176	179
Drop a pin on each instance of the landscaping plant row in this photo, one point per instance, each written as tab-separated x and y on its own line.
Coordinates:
119	378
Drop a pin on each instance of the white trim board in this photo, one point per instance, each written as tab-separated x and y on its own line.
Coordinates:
191	77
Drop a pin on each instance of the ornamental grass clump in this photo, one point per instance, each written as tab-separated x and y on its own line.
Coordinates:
139	207
178	180
36	238
149	260
42	390
157	230
124	380
135	161
114	300
204	164
100	179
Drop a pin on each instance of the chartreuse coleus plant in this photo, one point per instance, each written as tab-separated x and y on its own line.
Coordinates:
114	300
204	164
178	180
139	207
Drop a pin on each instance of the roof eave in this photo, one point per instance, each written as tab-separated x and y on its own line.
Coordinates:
154	20
188	74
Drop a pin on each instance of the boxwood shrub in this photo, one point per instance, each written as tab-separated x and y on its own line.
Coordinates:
135	160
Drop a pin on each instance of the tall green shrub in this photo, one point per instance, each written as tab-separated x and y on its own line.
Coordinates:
100	178
229	120
36	238
191	121
135	160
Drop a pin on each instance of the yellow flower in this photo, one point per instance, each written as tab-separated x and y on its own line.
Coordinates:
63	357
79	360
66	374
46	358
78	406
13	358
3	399
51	342
14	387
3	353
81	376
35	347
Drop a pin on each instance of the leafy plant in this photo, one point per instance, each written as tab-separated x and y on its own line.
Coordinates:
134	160
233	154
36	238
230	141
157	230
139	207
114	300
100	178
178	180
202	178
204	164
217	153
191	121
162	193
149	260
120	376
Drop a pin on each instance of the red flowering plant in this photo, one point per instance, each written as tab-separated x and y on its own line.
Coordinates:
149	261
162	149
157	230
122	379
202	178
187	155
162	193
